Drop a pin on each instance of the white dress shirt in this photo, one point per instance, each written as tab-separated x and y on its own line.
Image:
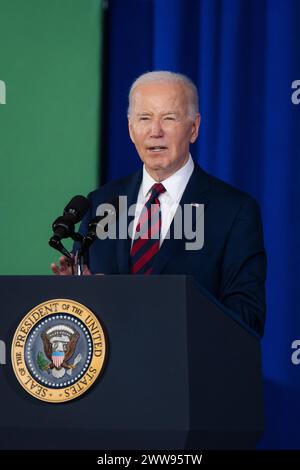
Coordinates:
169	200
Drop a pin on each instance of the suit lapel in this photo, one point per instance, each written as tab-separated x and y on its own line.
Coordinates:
196	191
123	245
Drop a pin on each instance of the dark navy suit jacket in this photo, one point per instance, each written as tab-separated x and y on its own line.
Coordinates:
231	266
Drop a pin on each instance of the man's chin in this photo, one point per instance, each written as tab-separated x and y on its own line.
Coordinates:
156	167
157	161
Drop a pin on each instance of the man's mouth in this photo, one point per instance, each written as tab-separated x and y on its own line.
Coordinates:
157	148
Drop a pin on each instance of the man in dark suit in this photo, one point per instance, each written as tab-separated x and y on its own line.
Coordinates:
230	267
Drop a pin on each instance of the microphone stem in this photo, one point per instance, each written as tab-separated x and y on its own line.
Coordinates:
78	263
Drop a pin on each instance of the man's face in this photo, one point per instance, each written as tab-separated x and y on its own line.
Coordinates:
160	127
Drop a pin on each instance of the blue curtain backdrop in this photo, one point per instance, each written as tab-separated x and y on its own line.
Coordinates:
244	56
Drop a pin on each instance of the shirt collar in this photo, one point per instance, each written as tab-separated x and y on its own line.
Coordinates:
174	184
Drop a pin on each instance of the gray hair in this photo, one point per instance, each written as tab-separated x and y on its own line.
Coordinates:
168	77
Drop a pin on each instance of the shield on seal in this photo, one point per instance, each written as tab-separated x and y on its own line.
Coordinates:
58	358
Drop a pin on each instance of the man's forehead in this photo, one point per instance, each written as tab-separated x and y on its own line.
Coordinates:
158	93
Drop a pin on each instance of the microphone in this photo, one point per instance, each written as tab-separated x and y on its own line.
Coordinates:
64	226
77	208
99	223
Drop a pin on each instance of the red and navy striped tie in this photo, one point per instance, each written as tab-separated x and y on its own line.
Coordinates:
147	236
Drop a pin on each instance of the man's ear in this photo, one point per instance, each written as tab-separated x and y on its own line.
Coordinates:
130	131
195	128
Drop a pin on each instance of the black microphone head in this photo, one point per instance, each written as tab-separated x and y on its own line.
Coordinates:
63	226
77	208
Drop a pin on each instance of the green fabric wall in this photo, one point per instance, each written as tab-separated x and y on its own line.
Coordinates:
50	63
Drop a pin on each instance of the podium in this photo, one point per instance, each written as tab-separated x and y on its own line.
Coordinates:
180	373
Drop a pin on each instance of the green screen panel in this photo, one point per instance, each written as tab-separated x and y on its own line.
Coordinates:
50	64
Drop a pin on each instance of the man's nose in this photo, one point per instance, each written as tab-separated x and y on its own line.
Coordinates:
156	128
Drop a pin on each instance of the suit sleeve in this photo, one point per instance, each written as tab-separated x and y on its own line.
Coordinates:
244	268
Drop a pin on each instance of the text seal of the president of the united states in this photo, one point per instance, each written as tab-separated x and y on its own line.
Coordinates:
58	350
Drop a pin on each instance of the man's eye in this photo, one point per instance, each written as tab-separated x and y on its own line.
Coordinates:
170	118
144	118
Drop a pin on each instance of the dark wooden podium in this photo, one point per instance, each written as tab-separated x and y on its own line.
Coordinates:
180	373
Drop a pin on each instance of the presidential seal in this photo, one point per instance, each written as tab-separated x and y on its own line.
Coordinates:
58	350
